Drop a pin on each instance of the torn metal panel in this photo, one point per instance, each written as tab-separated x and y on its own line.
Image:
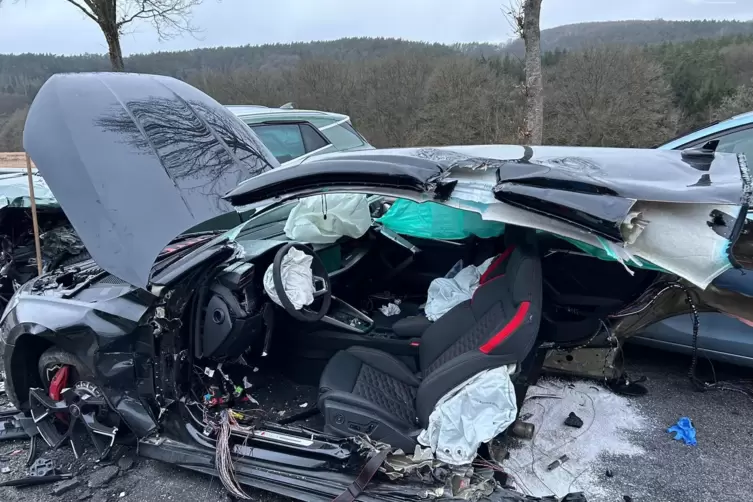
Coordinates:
638	174
602	214
678	238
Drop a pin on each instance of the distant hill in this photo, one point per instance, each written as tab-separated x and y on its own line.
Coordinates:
576	36
306	73
22	74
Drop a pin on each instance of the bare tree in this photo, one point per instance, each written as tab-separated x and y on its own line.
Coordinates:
739	102
466	103
608	96
168	17
524	16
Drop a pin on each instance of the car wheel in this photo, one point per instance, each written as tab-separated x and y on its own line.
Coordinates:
71	406
54	359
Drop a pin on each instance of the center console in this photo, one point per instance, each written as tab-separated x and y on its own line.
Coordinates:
344	316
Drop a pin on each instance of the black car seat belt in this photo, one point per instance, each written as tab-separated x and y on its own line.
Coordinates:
359	484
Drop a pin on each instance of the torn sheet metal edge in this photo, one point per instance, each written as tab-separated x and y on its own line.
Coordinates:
671	261
679	239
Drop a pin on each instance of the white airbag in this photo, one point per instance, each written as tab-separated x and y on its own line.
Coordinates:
297	279
446	292
323	219
470	414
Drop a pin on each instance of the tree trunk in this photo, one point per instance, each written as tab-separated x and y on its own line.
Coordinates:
534	127
113	47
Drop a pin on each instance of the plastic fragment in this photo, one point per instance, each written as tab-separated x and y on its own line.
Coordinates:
574	420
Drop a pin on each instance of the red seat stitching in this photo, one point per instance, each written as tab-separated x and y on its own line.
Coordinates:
493	265
508	329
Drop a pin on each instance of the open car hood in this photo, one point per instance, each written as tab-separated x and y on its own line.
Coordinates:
676	210
136	160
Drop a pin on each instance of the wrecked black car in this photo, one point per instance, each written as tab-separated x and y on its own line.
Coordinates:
378	319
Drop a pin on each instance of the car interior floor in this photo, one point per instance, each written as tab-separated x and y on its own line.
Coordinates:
268	395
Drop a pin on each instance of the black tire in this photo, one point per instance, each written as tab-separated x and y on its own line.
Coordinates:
57	356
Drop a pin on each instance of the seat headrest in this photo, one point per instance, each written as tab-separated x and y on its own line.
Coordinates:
519	236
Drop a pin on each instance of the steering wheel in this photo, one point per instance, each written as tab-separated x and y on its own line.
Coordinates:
322	289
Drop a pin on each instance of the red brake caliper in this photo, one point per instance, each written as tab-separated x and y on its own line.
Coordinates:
56	387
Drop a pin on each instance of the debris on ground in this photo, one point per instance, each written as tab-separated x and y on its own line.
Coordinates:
609	473
43	467
35	480
10	427
65	486
610	424
684	431
125	462
574	420
85	494
522	430
557	463
100	497
103	476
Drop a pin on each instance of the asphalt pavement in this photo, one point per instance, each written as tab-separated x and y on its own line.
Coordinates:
716	469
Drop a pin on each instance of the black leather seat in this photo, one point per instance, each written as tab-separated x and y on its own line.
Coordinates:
363	390
413	325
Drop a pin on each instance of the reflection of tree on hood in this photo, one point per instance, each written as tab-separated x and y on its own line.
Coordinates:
201	148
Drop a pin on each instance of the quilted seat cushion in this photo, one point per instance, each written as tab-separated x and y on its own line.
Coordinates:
375	377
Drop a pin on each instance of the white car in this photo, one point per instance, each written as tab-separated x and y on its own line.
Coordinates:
292	134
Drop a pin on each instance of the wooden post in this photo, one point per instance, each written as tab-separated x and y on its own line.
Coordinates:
34	221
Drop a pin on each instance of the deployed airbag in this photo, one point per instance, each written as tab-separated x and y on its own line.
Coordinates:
470	414
323	219
446	292
430	220
297	279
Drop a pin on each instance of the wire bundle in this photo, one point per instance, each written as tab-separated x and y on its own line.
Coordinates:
224	459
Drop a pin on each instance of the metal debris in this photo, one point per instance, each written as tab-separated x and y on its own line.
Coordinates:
557	463
399	465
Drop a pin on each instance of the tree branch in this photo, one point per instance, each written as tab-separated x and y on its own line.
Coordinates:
83	9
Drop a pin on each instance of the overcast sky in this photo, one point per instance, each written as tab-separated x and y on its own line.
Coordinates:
55	26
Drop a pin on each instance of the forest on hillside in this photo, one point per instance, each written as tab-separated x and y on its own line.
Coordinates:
613	91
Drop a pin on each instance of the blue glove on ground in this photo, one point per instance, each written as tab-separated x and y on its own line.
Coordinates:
684	431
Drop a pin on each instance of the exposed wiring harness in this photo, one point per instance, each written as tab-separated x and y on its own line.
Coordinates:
743	387
224	459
